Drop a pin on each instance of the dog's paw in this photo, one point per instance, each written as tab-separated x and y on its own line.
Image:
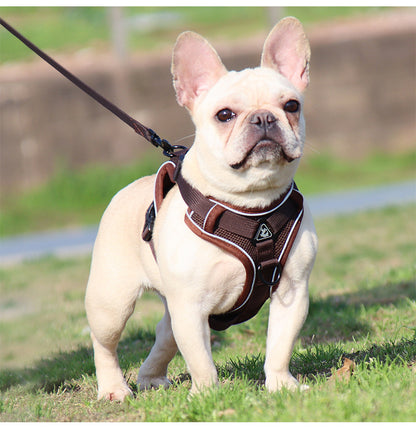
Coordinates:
146	383
115	394
286	381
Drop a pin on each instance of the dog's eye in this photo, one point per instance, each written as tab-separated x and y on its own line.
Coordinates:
292	106
225	115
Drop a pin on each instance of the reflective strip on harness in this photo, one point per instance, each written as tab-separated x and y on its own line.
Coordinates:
260	240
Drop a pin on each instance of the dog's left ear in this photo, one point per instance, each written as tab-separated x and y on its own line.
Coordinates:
287	50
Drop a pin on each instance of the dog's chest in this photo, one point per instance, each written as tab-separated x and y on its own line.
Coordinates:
261	241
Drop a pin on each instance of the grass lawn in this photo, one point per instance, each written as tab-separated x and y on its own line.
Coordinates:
363	308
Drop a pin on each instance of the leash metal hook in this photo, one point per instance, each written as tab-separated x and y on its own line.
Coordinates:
168	149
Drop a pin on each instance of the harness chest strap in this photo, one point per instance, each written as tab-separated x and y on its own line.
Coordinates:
260	240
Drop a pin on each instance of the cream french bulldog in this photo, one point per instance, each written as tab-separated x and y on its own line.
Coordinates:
249	138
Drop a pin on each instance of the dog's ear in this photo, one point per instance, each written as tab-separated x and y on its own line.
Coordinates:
287	50
196	67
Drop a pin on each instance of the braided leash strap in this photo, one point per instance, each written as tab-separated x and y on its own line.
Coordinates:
147	133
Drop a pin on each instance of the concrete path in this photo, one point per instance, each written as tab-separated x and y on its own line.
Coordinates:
362	199
80	241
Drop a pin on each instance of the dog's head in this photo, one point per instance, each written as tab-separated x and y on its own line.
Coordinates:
250	127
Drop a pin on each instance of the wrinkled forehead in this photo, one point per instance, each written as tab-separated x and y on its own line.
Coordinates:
251	88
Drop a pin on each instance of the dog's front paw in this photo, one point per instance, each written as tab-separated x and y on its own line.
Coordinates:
286	380
146	383
115	394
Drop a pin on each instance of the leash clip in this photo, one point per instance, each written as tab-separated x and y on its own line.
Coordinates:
171	152
157	141
168	149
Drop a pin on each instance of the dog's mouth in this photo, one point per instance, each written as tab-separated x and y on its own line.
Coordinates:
267	148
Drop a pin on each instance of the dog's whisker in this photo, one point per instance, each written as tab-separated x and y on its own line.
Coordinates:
311	147
185	137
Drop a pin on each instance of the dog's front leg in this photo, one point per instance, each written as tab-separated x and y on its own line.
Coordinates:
192	335
288	311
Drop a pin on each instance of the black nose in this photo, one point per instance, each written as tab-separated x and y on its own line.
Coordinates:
263	118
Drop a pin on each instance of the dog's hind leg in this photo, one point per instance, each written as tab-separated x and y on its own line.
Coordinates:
153	372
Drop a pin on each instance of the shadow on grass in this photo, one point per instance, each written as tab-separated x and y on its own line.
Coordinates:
340	317
60	369
319	360
330	320
50	374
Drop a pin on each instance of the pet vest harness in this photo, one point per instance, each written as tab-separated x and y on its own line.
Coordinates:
261	240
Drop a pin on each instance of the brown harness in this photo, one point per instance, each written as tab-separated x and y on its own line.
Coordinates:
261	240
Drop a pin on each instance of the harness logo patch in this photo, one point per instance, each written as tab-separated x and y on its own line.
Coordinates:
263	233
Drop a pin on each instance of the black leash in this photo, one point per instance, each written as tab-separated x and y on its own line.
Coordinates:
145	132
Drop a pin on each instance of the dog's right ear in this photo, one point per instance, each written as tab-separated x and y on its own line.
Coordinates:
196	67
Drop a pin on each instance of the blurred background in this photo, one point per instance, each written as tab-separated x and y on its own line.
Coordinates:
63	156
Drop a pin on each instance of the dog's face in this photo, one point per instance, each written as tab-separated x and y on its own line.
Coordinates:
250	128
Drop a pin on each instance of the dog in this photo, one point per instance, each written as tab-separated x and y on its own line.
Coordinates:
250	133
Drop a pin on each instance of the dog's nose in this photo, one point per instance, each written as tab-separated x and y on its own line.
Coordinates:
262	118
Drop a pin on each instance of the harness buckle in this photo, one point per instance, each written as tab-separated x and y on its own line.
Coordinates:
276	274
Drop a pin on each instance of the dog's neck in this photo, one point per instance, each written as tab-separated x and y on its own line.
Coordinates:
255	195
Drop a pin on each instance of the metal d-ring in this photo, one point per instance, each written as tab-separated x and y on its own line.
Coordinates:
277	273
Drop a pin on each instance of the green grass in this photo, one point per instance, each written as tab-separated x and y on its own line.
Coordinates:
321	172
70	197
68	29
74	198
363	307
